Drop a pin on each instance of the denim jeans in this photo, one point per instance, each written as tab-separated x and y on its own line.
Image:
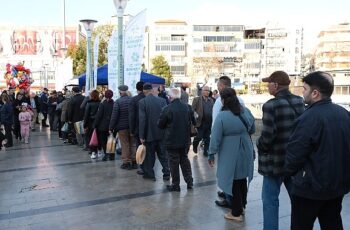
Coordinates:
270	192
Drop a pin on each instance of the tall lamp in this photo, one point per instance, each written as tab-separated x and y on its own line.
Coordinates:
89	26
120	5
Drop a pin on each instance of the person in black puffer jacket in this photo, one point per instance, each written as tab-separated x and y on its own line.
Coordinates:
89	120
102	120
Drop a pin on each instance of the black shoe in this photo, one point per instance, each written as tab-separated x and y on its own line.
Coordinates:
125	166
166	177
149	178
221	195
222	203
105	157
173	188
140	172
86	149
189	186
130	166
111	157
134	165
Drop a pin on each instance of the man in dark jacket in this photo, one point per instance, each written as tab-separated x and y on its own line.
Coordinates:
120	123
51	111
203	106
44	106
75	113
134	117
318	157
150	108
279	115
35	107
176	119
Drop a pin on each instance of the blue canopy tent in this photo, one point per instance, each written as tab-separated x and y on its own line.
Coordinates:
102	77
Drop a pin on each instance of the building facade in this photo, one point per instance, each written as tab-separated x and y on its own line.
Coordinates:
41	50
333	55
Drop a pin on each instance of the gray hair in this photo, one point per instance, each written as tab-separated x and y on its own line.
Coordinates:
175	93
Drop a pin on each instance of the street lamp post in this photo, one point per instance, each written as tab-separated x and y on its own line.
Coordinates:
120	6
89	26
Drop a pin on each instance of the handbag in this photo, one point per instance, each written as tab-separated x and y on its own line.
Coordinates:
110	147
94	139
65	127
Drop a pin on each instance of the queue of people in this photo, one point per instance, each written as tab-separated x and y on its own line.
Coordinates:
306	149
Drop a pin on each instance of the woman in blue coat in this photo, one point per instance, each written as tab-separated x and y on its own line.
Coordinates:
230	140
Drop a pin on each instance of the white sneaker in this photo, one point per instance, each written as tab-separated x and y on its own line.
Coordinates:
100	154
93	155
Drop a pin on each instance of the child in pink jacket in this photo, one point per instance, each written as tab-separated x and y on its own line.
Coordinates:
24	118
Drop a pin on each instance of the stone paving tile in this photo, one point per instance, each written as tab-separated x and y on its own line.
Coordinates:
66	191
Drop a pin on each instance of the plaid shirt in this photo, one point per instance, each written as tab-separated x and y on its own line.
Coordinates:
278	119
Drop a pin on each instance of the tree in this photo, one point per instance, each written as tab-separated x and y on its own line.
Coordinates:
161	68
78	51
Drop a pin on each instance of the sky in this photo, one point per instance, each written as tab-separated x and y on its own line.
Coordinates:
313	15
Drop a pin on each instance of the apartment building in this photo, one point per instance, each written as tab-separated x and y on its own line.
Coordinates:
333	55
283	50
169	38
215	50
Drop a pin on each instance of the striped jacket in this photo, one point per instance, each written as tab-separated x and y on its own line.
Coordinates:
279	115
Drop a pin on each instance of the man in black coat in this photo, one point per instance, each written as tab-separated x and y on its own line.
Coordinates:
176	120
44	106
134	117
150	108
75	113
318	157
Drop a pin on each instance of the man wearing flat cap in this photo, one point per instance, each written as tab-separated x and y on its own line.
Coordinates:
134	117
120	123
279	114
150	108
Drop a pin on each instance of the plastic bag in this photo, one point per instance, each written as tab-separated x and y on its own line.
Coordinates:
110	148
79	127
65	127
94	139
41	117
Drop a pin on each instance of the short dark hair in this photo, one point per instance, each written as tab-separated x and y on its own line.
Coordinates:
94	95
225	80
321	81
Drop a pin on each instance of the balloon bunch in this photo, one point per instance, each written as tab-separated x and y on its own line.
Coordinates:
17	76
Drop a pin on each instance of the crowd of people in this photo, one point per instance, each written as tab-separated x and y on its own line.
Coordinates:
306	148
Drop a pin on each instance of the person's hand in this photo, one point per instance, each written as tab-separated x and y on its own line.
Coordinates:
211	163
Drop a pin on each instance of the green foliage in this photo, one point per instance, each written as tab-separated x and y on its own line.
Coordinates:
161	68
78	52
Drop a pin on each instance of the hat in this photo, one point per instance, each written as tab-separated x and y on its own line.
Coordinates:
279	77
76	89
139	85
25	104
147	86
109	94
123	88
45	89
140	154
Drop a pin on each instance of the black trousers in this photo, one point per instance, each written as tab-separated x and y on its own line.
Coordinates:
8	135
239	196
102	137
203	133
305	211
152	148
179	157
